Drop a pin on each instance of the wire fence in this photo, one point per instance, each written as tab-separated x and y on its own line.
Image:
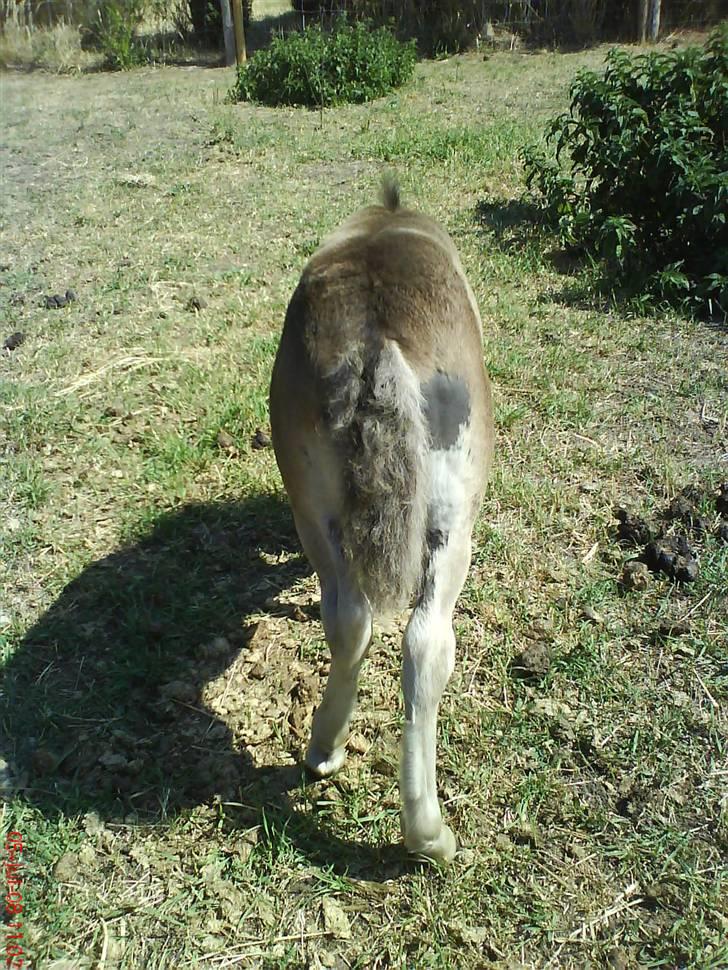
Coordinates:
444	23
42	13
455	25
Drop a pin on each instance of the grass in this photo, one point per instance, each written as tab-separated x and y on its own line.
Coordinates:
159	629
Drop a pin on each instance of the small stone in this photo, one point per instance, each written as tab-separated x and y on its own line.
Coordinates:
257	671
503	843
532	663
114	411
526	833
14	340
219	647
66	869
336	922
635	576
261	439
71	296
50	303
112	759
61	301
87	856
463	933
592	616
657	893
358	743
225	441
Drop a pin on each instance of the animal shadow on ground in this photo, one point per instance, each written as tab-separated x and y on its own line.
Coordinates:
512	224
102	706
517	228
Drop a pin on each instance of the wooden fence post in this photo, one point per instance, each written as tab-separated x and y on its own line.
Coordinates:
228	33
655	10
643	10
648	20
241	55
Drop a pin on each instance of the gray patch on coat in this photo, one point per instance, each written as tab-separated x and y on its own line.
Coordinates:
435	538
426	592
447	408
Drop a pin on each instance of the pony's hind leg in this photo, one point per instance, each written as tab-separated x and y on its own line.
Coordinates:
347	622
429	658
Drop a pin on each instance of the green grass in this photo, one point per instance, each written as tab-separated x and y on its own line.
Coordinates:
159	630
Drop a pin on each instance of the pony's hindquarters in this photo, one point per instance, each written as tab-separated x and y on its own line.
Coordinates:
357	480
382	428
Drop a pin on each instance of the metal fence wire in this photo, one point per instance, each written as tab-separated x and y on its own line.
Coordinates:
447	23
454	25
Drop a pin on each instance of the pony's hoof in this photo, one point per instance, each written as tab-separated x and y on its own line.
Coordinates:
324	763
441	849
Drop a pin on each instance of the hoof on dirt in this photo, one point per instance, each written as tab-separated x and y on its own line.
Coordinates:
441	849
324	763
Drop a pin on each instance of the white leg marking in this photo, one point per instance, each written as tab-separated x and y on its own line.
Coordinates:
429	659
429	649
347	622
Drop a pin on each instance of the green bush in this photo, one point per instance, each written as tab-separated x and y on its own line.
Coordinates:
638	173
317	68
111	28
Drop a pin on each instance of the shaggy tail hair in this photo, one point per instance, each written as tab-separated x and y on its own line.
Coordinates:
385	449
375	414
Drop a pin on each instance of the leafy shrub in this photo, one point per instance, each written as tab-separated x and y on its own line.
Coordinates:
111	29
351	63
638	176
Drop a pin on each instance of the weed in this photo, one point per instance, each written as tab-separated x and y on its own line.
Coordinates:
638	179
353	63
112	29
